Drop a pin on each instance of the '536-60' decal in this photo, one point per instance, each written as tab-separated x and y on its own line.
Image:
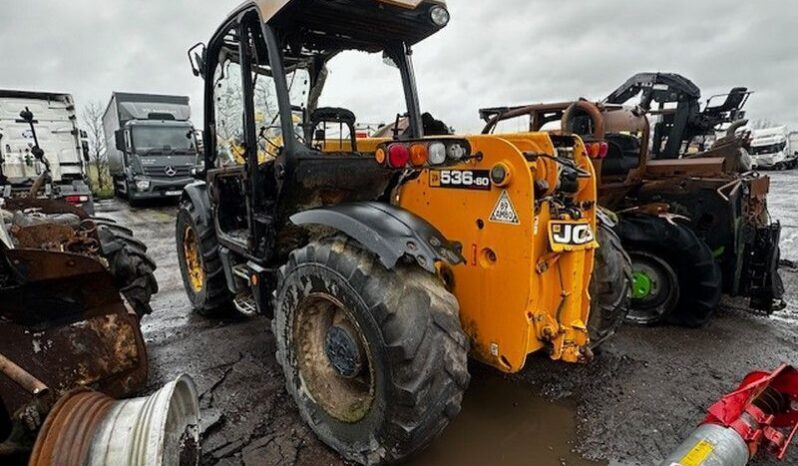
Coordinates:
460	179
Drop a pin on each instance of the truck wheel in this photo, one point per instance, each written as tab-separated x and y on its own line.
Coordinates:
132	268
200	265
117	192
674	274
376	360
610	287
129	197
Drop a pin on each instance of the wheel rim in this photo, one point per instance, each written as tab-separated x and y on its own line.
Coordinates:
655	289
335	365
641	285
196	274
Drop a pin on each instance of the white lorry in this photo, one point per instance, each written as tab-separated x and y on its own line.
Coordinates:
65	148
771	148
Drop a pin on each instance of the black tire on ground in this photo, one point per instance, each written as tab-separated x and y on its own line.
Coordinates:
412	369
689	261
213	299
610	287
132	268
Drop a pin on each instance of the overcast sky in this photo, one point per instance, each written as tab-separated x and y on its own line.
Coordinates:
493	53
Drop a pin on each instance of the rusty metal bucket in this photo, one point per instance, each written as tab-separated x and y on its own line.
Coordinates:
87	428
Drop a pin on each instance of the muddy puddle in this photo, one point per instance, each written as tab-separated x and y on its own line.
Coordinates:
505	424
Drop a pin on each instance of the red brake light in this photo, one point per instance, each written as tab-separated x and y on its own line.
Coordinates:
76	199
398	156
597	150
604	148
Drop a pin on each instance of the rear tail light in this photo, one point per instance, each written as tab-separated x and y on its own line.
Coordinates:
418	155
437	153
604	149
76	199
398	156
380	156
597	150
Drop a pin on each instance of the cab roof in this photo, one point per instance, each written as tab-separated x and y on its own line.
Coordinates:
369	25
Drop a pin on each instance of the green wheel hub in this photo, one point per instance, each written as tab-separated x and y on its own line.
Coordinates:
641	285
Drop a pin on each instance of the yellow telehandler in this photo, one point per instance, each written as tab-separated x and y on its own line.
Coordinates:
382	262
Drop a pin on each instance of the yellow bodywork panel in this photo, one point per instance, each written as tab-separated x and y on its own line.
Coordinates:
364	145
517	294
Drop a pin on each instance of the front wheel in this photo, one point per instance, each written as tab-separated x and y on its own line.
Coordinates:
376	360
200	264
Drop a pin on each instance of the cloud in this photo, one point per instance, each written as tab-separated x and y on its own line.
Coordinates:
493	53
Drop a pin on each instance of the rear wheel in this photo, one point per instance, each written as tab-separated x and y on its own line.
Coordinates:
610	287
200	264
674	274
376	360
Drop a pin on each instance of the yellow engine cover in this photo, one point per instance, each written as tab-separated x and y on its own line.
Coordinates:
524	286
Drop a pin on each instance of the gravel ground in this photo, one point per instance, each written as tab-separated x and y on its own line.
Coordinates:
643	394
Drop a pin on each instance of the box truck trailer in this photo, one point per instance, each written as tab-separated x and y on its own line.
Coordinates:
53	130
152	146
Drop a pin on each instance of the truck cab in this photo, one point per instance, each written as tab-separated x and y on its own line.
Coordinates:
770	149
64	145
152	146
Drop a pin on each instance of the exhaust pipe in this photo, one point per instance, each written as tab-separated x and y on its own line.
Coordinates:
761	416
87	428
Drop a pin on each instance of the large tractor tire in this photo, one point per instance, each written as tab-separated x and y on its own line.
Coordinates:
674	274
200	264
610	287
376	360
132	268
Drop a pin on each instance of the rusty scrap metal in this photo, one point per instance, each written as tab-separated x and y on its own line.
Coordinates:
699	167
45	206
22	377
47	236
65	322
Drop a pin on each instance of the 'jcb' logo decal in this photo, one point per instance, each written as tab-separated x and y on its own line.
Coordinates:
569	233
571	236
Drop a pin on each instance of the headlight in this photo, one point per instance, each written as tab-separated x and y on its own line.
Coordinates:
143	185
440	16
457	152
437	153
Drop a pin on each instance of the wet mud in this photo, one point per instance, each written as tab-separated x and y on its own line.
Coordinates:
504	422
642	395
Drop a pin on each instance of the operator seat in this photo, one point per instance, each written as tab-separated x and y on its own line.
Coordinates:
733	102
334	115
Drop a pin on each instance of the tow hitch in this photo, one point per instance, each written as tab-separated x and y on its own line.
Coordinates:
759	417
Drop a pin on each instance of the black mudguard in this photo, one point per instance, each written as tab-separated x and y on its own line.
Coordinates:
197	194
389	232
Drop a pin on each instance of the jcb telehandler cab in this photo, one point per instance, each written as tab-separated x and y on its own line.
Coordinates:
379	261
694	217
